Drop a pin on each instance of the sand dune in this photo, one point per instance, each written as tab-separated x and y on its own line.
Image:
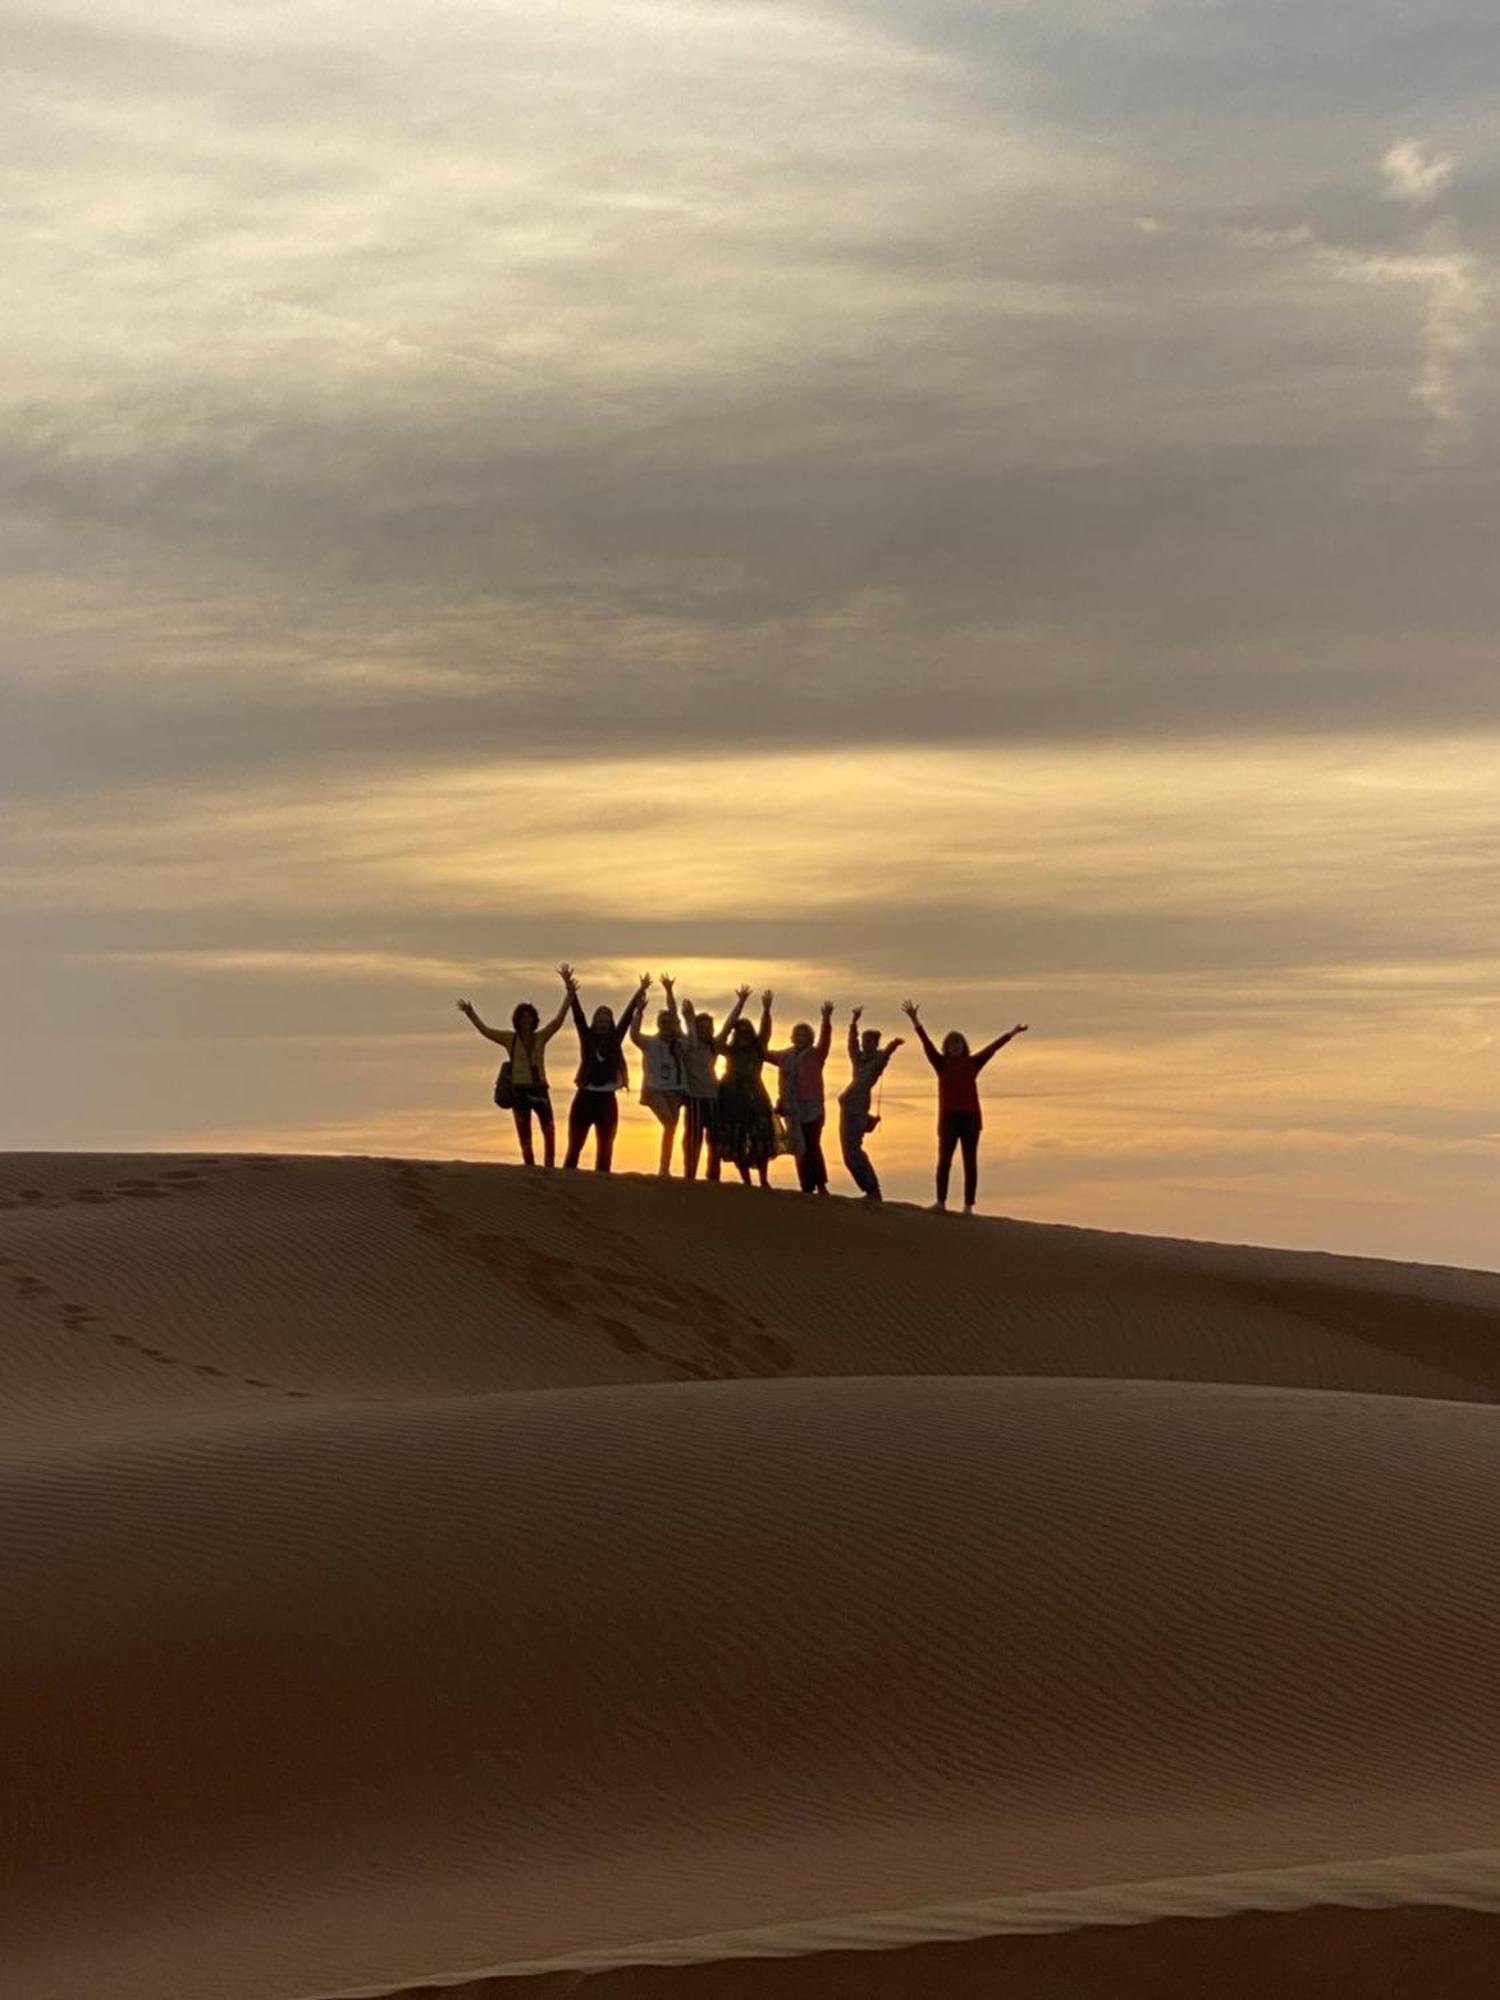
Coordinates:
432	1575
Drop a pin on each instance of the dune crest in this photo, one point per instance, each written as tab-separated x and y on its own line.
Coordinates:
432	1577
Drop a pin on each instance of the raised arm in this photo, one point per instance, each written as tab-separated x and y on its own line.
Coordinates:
909	1009
993	1048
630	1019
882	1060
763	1032
825	1031
854	1034
501	1035
721	1040
668	986
550	1028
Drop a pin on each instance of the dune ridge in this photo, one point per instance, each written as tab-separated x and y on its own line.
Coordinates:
432	1576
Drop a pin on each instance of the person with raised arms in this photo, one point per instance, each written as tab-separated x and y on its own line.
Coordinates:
663	1074
602	1074
522	1087
960	1118
867	1063
747	1130
802	1102
700	1055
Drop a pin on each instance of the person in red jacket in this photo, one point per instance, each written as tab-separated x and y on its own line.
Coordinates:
960	1119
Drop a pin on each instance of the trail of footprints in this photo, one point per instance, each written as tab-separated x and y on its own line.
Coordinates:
722	1340
77	1317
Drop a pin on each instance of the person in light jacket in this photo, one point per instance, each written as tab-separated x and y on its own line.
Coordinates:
867	1063
801	1104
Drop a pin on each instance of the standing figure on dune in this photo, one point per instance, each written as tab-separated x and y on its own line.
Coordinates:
663	1076
522	1083
601	1076
867	1062
747	1131
960	1119
700	1055
802	1102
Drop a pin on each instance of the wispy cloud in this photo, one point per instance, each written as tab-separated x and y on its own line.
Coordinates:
1451	280
1415	174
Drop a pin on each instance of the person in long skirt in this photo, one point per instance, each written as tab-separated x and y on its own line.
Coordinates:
960	1119
700	1055
663	1073
802	1102
601	1076
867	1063
525	1043
747	1130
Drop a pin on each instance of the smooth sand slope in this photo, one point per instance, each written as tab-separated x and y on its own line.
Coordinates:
433	1575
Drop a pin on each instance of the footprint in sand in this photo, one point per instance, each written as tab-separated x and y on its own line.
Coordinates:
594	1294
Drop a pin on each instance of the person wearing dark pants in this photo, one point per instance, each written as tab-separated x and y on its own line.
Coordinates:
802	1103
525	1044
867	1062
601	1075
595	1110
960	1119
958	1129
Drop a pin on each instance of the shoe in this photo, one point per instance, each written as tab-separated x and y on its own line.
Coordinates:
874	1201
937	1208
970	1209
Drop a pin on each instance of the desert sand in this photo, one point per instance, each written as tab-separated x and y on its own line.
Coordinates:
438	1576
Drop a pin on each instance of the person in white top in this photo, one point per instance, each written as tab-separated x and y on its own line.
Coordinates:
663	1077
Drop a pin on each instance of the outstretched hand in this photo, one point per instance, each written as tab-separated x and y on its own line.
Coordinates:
909	1008
742	993
568	977
856	1013
668	982
646	983
827	1010
465	1008
767	997
896	1042
1020	1028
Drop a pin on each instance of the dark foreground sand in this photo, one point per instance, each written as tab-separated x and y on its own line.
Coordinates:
440	1576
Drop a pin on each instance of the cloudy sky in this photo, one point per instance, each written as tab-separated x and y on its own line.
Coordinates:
984	499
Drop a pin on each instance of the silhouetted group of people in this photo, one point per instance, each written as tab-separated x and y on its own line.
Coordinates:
729	1116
